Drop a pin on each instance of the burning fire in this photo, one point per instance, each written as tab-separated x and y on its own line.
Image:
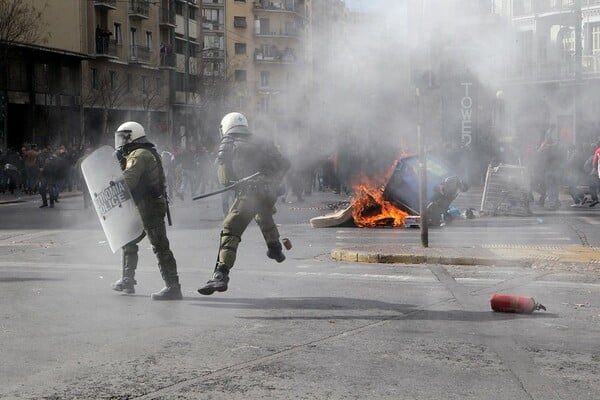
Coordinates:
369	209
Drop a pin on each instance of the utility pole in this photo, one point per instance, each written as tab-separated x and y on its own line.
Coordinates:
578	67
422	173
420	140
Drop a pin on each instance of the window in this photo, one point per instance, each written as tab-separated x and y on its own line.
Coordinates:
144	84
239	22
568	44
596	39
118	34
240	48
264	78
240	75
158	86
179	46
149	40
67	80
113	79
41	78
193	13
94	78
179	82
213	42
178	8
132	36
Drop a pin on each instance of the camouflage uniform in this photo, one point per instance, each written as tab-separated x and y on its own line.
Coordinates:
240	156
145	178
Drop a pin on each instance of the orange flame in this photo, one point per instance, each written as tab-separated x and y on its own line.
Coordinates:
369	209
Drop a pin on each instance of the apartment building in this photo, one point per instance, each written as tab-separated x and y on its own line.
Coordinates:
101	62
552	84
40	81
267	47
122	79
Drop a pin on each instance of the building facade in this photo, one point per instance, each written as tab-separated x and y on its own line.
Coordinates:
552	82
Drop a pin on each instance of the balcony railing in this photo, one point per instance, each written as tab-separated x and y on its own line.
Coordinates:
168	60
139	8
566	70
276	57
264	5
139	54
285	33
106	47
110	4
212	26
547	6
166	16
212	53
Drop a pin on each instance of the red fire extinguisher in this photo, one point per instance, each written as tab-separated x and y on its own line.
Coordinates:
514	304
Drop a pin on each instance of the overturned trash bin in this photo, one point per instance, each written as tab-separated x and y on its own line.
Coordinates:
395	202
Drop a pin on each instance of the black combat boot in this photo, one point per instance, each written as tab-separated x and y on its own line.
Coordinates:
169	292
125	285
275	252
218	282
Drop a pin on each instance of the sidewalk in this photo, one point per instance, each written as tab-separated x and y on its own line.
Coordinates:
499	255
7	198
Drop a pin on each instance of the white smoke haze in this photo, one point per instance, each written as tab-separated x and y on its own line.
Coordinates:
456	51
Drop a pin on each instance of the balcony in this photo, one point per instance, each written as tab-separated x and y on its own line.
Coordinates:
168	60
558	71
522	9
166	17
210	54
139	9
106	4
286	56
212	26
106	48
289	33
139	54
270	6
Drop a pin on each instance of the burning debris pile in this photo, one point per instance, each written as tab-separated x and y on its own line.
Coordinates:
392	198
369	207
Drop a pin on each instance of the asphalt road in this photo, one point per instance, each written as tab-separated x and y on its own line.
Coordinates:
309	328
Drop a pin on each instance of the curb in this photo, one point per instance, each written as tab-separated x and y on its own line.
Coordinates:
374	257
35	197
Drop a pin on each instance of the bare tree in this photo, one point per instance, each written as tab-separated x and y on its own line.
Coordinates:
152	97
20	22
108	92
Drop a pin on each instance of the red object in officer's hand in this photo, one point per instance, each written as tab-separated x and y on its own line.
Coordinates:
514	304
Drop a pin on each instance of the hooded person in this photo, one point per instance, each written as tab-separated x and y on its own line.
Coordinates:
242	154
144	175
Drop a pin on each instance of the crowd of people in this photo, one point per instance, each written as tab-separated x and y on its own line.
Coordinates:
46	171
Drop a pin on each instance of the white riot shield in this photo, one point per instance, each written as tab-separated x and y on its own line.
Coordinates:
112	199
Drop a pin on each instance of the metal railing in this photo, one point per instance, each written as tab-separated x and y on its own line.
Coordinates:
166	16
565	70
139	7
109	3
544	6
139	53
107	47
271	6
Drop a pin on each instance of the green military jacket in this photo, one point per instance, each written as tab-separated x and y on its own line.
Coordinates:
143	175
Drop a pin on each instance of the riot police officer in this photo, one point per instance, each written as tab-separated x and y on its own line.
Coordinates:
144	175
241	154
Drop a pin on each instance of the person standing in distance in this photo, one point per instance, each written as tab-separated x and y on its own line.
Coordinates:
242	154
144	175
